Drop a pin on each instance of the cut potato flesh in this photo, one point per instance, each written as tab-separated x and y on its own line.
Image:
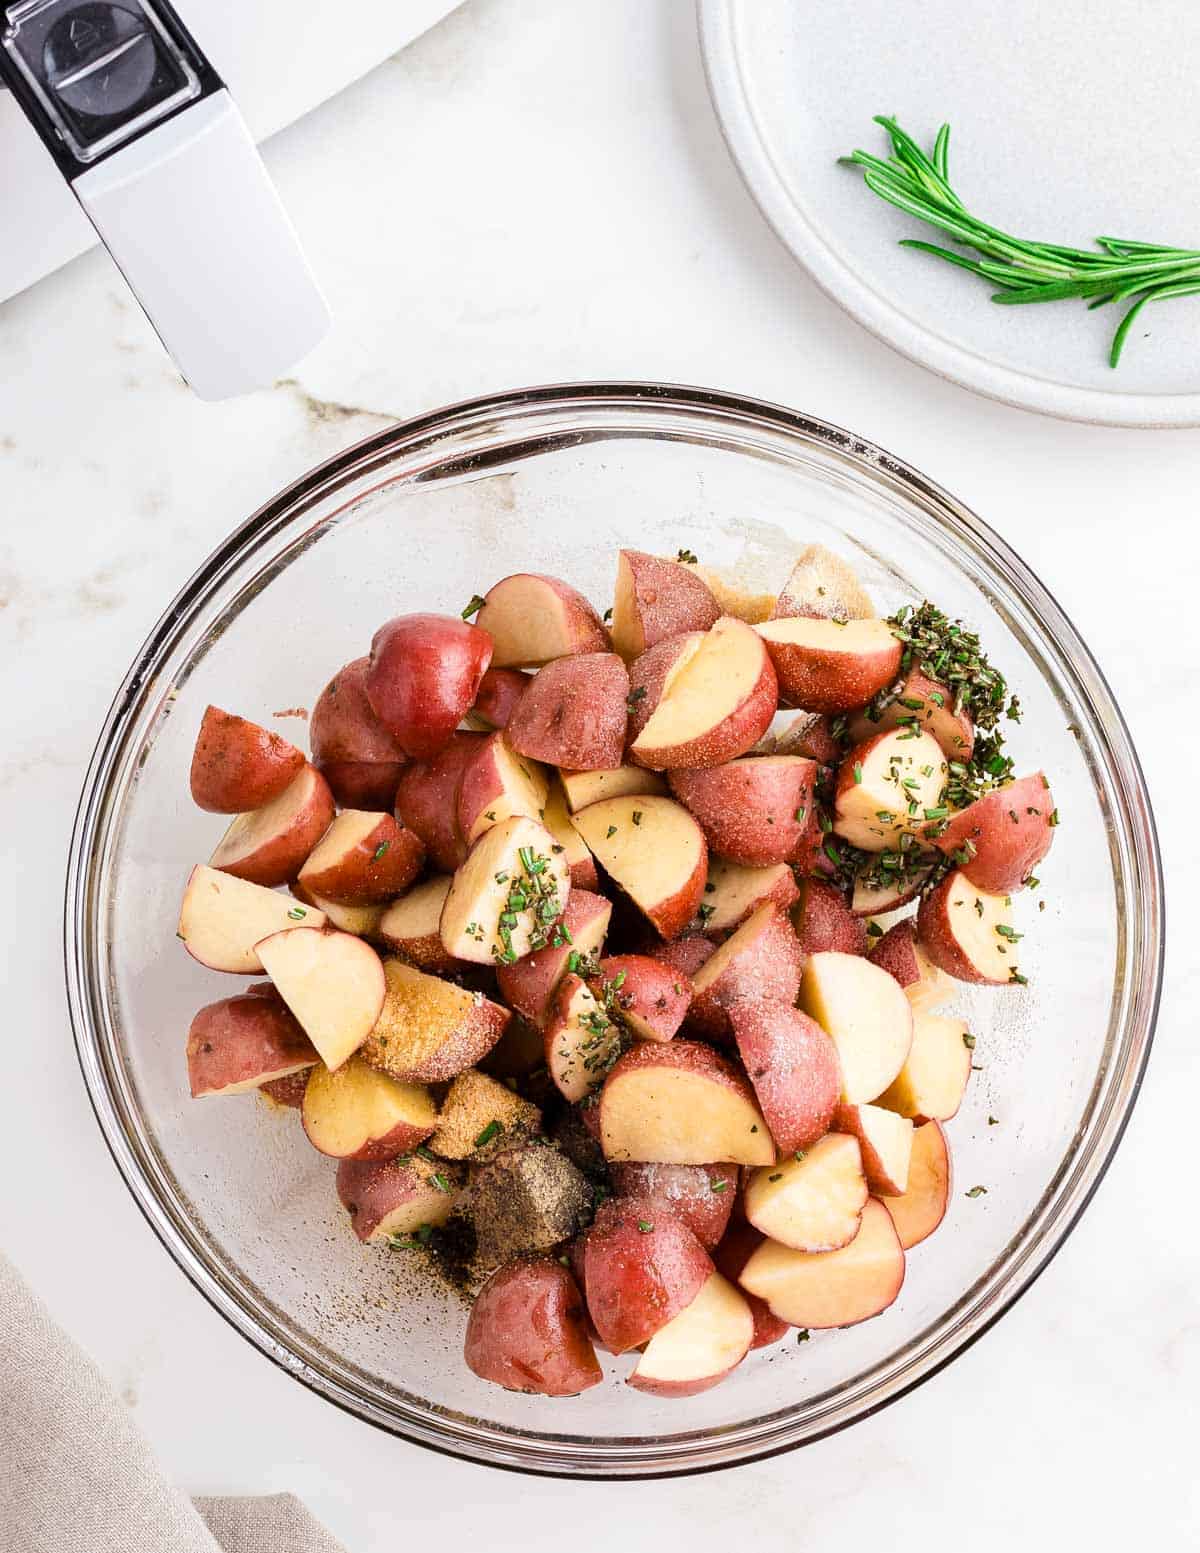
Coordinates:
582	1043
822	583
652	848
885	1141
981	926
932	986
705	685
734	890
493	879
416	915
556	817
518	786
222	918
700	1345
866	1013
894	779
587	787
814	1202
332	982
931	1084
820	1289
921	1207
354	1105
668	1116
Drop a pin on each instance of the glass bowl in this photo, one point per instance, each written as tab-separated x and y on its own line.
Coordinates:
421	517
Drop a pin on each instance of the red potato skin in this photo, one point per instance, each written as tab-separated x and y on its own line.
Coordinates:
236	765
653	998
423	676
822	683
847	1119
938	942
809	735
729	738
427	801
767	969
638	1279
351	748
748	808
573	713
288	1091
670	599
793	1066
279	859
499	692
823	920
686	1191
382	865
1010	830
739	1243
529	984
370	1189
527	1331
955	732
648	675
238	1039
896	953
684	955
690	1056
585	629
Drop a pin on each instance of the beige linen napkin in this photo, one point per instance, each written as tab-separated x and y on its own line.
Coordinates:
77	1477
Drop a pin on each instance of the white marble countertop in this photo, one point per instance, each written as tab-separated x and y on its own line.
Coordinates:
535	192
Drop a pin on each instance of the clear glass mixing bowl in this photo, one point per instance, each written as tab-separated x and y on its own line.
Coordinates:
420	517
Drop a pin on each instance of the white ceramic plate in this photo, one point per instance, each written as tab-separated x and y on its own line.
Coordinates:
1068	120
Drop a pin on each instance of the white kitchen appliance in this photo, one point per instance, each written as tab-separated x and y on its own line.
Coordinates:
124	118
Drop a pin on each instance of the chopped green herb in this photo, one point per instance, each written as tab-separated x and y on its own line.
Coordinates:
977	1191
1014	975
611	831
645	1226
297	913
381	851
689	557
474	606
607	616
637	816
802	1335
993	1121
968	1040
718	1186
493	1129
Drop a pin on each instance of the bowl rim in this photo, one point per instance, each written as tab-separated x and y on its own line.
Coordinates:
1134	813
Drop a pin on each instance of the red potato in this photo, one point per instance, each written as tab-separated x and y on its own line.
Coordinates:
867	1015
243	1042
511	871
654	850
581	788
237	766
286	1093
332	982
807	734
651	999
582	1042
430	1030
356	1112
873	900
657	598
685	954
268	846
699	1347
499	691
573	714
734	891
410	926
651	674
351	748
900	955
884	1141
427	800
556	817
968	933
888	786
222	918
397	1196
1002	837
681	1103
642	1266
363	859
919	1210
922	703
740	1242
527	1331
756	810
793	1066
715	707
496	785
362	921
759	963
822	920
931	1084
824	666
819	1289
533	619
812	1200
700	1196
529	984
822	585
424	676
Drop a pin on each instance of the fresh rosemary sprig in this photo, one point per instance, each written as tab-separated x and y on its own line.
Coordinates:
1025	271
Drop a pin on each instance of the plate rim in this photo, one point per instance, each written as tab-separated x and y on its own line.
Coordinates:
800	236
